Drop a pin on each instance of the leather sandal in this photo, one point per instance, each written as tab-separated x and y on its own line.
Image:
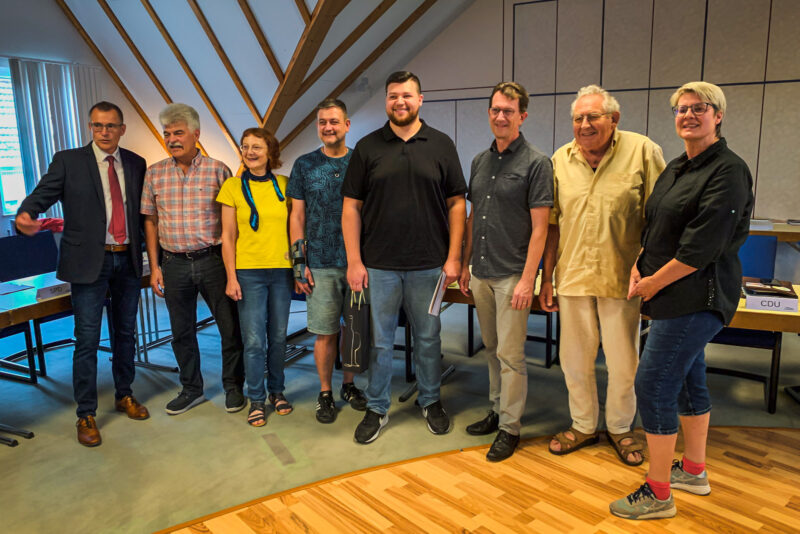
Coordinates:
256	415
623	451
281	405
571	445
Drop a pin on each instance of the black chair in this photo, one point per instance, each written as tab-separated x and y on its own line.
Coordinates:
758	260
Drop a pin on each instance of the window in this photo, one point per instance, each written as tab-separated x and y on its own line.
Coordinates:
12	182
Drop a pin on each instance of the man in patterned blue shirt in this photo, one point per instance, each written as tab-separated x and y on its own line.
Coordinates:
315	188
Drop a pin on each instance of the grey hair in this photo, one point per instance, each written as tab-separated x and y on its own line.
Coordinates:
610	104
175	113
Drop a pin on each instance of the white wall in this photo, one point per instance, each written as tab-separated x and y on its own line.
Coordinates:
38	29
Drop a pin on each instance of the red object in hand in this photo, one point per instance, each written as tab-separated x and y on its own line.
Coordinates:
53	224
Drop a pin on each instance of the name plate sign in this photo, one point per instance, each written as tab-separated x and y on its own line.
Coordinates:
44	293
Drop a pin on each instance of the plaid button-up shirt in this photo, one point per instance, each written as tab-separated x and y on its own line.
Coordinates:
188	214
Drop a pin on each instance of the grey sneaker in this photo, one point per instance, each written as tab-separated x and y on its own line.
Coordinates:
680	479
183	403
642	504
436	417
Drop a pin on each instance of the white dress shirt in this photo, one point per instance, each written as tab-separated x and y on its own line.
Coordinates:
102	166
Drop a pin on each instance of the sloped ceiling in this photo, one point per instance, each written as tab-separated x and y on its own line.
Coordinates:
242	63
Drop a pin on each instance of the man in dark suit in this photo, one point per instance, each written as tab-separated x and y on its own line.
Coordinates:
100	187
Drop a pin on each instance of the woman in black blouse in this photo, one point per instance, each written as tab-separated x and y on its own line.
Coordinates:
689	277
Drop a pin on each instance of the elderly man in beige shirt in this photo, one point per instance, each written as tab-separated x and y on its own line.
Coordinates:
602	180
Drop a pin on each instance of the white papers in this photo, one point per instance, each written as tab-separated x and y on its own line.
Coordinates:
8	287
436	300
760	224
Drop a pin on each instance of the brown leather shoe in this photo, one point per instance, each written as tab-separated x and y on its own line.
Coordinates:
131	407
88	434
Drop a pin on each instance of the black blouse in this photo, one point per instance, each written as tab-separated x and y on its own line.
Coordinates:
699	214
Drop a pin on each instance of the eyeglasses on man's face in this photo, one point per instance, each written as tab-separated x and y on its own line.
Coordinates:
508	112
697	108
99	126
591	117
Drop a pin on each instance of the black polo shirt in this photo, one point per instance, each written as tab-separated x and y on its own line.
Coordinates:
504	187
404	186
699	214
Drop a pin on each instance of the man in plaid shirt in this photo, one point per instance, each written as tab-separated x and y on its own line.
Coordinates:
182	217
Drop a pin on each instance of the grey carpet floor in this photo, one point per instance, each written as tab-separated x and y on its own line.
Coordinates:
149	475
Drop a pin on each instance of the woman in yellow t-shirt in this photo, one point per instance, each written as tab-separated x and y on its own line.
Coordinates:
255	249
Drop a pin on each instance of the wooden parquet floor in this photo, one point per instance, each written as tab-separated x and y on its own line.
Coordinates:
754	475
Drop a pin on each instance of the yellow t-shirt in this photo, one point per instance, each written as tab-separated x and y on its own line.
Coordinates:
268	248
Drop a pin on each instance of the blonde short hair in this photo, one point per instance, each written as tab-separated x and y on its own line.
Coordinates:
610	104
707	92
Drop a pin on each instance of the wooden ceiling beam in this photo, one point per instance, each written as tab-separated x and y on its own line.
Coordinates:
111	72
303	9
347	82
308	46
195	82
262	40
345	45
138	55
237	81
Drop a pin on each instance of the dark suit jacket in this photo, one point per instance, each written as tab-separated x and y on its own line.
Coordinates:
74	179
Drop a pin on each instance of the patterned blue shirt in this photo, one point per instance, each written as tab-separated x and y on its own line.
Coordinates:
317	179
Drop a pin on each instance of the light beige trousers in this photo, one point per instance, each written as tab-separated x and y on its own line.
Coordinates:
503	330
584	322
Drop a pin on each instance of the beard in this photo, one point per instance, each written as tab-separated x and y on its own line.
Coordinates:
403	122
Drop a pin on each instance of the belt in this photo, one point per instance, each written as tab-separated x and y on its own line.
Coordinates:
116	248
194	254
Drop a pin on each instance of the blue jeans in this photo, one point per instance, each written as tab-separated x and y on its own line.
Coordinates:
413	290
671	379
118	277
266	299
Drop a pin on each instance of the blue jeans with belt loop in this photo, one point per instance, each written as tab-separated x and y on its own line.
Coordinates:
671	379
388	290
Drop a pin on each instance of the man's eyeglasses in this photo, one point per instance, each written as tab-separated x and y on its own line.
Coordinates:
508	112
591	117
697	109
99	126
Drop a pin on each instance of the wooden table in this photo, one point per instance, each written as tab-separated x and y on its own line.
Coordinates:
788	233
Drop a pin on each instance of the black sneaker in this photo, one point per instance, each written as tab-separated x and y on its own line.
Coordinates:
368	429
350	393
326	409
438	421
503	446
234	400
184	402
485	426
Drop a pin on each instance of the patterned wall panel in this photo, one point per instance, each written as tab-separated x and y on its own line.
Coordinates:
736	40
677	42
579	44
626	43
777	194
784	41
535	46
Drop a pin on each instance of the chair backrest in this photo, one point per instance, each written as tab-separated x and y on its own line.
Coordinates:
22	256
758	256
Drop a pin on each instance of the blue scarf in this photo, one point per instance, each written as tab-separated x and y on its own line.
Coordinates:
248	194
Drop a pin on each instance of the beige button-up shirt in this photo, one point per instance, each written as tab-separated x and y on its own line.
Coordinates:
600	214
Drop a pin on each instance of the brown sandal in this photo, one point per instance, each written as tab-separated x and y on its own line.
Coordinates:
571	445
281	405
623	451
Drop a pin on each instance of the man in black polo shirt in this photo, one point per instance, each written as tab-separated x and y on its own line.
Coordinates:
511	190
403	223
